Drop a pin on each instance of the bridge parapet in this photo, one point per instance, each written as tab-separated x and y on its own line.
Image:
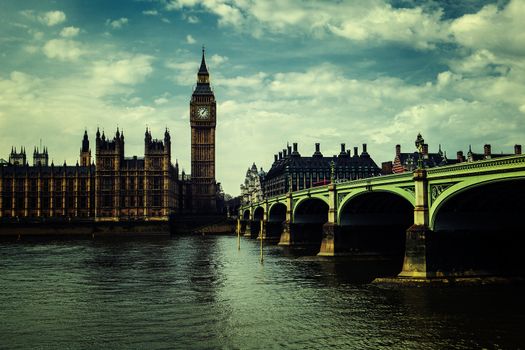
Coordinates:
478	166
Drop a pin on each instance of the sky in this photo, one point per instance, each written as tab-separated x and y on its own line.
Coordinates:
354	72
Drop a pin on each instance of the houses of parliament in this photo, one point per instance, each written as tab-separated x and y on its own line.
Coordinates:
113	187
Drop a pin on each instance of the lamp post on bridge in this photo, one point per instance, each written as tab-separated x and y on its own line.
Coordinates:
419	145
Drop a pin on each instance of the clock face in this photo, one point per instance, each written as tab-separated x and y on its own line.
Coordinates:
203	113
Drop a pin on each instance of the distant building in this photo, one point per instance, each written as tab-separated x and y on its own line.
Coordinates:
409	161
252	190
404	162
115	188
292	171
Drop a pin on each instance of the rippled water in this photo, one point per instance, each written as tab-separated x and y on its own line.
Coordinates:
200	292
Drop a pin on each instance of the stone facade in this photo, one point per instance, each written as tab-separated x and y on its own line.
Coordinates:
252	190
114	188
292	171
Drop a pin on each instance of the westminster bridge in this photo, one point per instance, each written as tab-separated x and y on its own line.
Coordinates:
457	220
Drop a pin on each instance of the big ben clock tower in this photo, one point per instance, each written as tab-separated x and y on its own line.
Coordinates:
203	121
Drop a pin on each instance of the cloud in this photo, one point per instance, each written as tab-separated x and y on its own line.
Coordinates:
217	60
117	23
185	71
69	32
189	39
52	18
357	21
192	19
107	75
498	30
161	101
150	12
62	49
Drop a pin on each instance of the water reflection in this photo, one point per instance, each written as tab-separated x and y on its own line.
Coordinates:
201	292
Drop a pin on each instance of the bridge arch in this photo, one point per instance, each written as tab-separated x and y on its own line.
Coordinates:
258	214
309	216
277	212
276	219
246	214
463	186
308	200
374	223
409	197
477	225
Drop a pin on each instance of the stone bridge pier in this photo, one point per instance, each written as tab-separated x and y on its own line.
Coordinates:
331	230
288	230
304	223
417	263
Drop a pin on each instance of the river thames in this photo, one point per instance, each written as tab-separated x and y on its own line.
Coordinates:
200	292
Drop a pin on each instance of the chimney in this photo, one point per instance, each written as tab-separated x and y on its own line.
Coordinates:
275	157
398	150
295	153
364	147
459	156
517	149
280	155
343	148
285	151
289	150
486	151
355	152
317	152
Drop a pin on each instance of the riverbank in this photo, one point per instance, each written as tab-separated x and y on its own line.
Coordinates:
138	228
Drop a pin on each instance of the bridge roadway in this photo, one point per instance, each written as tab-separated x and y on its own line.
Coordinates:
457	220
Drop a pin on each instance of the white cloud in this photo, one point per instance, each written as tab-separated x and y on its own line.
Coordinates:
493	29
31	49
185	71
217	60
190	39
126	71
359	21
38	35
150	12
161	101
69	32
192	19
117	23
52	18
62	49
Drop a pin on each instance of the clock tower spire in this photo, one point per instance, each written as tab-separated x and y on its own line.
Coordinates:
203	121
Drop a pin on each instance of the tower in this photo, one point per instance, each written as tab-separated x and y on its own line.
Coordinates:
18	158
40	157
109	159
85	151
203	121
